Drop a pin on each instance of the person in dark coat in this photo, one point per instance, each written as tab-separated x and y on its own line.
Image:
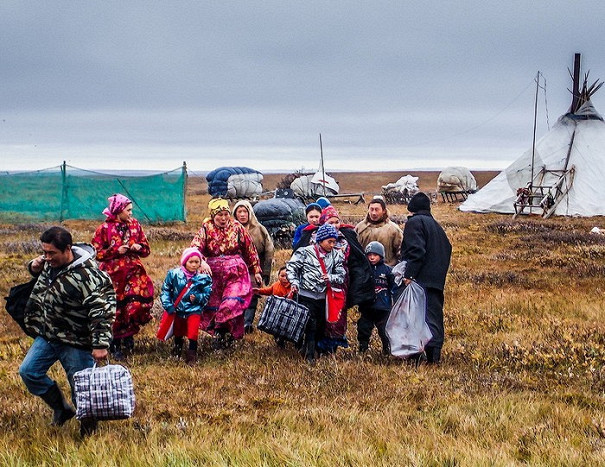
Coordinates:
427	252
375	315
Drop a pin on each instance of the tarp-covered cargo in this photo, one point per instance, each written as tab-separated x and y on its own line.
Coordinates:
235	182
456	179
312	186
280	216
401	191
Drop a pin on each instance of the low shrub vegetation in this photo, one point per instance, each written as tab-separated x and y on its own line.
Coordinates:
522	379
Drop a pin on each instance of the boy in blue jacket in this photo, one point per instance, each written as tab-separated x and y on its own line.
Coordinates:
376	313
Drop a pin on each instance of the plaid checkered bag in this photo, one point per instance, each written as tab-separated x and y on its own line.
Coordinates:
104	393
284	318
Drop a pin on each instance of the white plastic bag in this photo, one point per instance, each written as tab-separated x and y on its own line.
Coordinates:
406	327
398	272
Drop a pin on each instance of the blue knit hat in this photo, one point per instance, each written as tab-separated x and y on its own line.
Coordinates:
325	231
313	207
323	202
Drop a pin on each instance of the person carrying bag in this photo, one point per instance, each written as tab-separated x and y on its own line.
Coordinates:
71	310
311	282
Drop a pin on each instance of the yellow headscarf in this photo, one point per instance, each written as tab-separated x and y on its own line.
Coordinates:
217	205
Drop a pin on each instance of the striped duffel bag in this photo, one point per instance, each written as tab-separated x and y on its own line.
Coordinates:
284	318
104	393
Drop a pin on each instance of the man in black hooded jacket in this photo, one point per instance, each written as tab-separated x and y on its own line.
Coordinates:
427	251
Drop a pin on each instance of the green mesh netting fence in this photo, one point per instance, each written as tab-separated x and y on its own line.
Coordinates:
66	192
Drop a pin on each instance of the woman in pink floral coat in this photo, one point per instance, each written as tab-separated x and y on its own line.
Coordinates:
231	258
121	243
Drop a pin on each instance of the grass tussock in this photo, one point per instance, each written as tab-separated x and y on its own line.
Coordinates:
522	380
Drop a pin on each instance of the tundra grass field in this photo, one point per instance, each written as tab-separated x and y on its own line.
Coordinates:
522	379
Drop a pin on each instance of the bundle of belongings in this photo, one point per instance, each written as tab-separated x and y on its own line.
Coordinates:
315	185
401	191
235	182
280	216
456	179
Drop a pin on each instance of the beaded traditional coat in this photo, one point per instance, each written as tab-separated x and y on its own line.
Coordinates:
233	239
134	288
232	256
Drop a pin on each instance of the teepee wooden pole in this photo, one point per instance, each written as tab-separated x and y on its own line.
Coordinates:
323	171
533	145
576	84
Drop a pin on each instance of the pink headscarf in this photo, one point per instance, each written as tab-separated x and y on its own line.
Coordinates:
117	203
327	213
188	253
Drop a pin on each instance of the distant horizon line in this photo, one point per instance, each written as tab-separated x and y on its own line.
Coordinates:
198	173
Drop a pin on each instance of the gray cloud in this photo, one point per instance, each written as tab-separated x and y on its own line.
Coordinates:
437	80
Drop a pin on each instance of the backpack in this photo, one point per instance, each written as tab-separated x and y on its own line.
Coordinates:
16	302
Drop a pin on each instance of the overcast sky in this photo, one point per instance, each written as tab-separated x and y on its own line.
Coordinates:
391	85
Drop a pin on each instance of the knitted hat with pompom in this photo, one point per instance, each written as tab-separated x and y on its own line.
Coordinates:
324	232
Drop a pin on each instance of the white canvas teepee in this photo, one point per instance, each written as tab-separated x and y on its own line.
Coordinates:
577	142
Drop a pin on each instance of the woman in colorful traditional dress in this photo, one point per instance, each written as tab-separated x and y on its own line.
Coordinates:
231	258
121	243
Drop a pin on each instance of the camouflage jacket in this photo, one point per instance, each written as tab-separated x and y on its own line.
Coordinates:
77	307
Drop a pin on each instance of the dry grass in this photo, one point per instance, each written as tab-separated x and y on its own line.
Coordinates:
523	379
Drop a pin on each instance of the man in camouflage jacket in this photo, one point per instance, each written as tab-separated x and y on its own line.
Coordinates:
71	311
